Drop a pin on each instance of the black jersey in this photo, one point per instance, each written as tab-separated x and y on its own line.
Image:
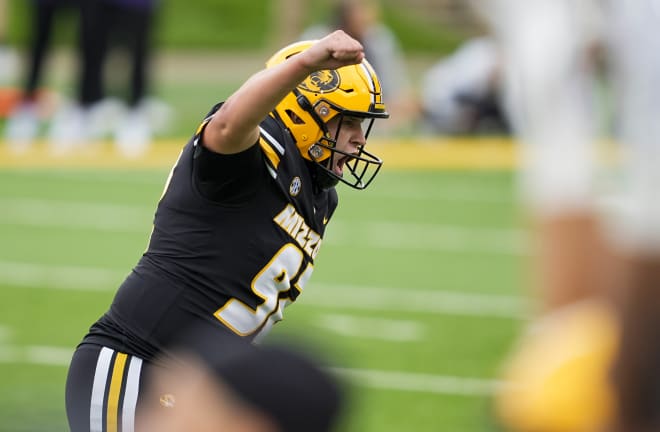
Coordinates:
233	243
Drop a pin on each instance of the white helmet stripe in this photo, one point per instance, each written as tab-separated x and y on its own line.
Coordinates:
372	85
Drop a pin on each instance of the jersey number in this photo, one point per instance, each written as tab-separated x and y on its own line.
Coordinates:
276	277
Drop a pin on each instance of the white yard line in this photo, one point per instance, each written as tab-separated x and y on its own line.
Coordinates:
36	355
422	383
5	334
414	300
449	192
323	295
386	380
459	193
381	234
76	215
47	355
372	328
148	178
30	275
427	236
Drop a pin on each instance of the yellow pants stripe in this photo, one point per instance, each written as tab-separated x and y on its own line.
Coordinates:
115	391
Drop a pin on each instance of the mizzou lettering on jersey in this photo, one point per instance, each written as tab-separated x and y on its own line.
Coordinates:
294	224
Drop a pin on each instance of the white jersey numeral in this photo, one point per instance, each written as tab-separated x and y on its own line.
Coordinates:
275	278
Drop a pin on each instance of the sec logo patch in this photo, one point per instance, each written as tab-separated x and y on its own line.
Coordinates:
294	187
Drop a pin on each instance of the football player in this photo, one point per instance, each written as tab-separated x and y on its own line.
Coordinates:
240	221
597	267
635	46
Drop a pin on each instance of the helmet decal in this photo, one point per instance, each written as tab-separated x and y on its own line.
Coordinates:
374	85
321	81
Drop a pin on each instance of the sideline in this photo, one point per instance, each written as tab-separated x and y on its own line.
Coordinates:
487	153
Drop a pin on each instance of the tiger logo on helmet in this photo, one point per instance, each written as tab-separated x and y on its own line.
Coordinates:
321	81
353	91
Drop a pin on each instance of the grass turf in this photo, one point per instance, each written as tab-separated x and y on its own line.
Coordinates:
406	287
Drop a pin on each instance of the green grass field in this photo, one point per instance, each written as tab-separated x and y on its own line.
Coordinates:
417	293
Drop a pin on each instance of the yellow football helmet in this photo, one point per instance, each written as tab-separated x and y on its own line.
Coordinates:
353	91
558	379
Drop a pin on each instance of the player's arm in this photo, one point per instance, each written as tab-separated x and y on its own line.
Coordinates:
235	127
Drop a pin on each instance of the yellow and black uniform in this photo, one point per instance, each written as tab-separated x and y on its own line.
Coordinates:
233	243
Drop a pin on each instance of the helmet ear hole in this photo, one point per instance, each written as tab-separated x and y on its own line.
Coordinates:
294	117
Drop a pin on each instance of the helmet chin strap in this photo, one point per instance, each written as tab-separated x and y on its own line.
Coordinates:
322	177
323	174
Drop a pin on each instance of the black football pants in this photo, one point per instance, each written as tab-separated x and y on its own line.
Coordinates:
102	389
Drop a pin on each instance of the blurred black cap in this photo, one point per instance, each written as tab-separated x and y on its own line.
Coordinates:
283	381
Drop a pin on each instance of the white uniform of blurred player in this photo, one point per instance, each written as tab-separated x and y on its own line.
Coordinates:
593	267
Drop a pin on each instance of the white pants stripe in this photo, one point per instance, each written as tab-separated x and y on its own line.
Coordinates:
131	395
98	390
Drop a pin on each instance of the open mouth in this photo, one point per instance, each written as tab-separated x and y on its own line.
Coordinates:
341	162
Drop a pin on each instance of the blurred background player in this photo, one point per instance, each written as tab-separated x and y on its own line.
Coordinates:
91	114
596	269
235	386
635	44
460	94
9	62
23	122
362	19
7	53
126	24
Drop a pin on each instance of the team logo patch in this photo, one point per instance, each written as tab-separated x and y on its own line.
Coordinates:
322	81
294	188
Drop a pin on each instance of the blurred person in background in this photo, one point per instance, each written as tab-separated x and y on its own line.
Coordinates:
9	61
589	360
634	38
105	26
129	25
362	19
240	221
23	122
90	114
234	386
3	25
7	52
460	94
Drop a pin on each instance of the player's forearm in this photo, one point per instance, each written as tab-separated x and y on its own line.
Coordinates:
235	126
